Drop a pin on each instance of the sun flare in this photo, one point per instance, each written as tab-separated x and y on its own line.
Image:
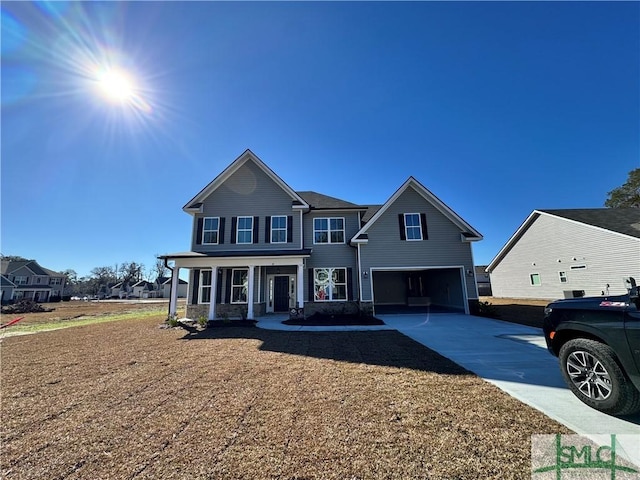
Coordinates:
117	86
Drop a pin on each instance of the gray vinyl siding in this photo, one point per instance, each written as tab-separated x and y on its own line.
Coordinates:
443	248
331	255
550	245
248	192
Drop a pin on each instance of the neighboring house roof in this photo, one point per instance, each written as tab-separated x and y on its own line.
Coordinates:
51	273
5	282
318	201
194	205
480	269
11	266
622	221
467	230
143	283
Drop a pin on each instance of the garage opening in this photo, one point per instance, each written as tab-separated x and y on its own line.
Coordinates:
435	290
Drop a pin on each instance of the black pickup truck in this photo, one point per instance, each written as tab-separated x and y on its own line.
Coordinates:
597	340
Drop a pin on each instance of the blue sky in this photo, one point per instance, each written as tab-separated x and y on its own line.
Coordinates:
498	108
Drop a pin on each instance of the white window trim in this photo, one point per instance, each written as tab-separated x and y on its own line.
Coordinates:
202	286
20	282
531	280
238	230
232	286
407	227
329	242
330	299
204	220
286	221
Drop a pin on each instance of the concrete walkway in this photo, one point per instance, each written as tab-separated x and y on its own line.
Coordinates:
513	357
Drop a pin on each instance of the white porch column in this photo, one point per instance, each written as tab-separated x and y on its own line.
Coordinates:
212	297
250	292
300	284
173	297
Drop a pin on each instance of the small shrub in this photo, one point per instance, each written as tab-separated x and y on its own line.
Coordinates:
202	321
484	309
172	321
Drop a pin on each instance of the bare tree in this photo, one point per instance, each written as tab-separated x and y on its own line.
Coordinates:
159	269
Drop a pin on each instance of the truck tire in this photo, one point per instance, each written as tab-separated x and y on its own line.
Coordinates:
592	372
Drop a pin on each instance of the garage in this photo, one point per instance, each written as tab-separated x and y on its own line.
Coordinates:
418	290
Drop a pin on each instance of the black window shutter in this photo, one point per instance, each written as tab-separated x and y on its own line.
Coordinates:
310	287
256	229
234	229
199	231
221	232
403	234
289	229
349	283
227	294
219	287
267	229
423	222
196	287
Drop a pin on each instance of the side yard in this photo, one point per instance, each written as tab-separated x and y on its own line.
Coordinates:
131	400
517	310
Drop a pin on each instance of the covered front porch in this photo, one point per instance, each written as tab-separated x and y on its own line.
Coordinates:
239	285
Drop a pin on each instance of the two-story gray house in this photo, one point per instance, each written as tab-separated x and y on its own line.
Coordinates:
260	247
26	279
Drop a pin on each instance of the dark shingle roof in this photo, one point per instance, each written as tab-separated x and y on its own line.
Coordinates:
325	202
13	265
620	220
371	211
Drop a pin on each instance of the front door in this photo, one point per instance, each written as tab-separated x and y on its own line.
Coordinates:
281	293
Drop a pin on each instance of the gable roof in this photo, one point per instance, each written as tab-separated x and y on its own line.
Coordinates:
319	201
5	282
470	233
193	206
622	221
12	265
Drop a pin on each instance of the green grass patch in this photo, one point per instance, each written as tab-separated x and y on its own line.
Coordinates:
19	329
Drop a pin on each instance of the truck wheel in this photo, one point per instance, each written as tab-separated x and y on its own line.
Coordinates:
593	374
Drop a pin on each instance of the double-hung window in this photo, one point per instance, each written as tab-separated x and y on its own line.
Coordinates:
563	277
245	230
328	230
205	286
210	230
279	229
21	280
412	226
535	280
329	284
239	285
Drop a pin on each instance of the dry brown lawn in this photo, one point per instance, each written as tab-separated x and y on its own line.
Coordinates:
518	310
128	400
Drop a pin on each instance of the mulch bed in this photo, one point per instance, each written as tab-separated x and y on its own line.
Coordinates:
324	320
129	400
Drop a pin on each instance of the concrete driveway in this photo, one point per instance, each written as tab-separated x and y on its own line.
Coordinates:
515	359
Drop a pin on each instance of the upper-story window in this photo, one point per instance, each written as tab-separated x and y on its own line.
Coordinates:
55	281
245	230
211	230
279	229
21	280
328	230
413	228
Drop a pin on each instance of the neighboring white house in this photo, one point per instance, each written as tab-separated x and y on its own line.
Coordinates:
569	253
163	286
